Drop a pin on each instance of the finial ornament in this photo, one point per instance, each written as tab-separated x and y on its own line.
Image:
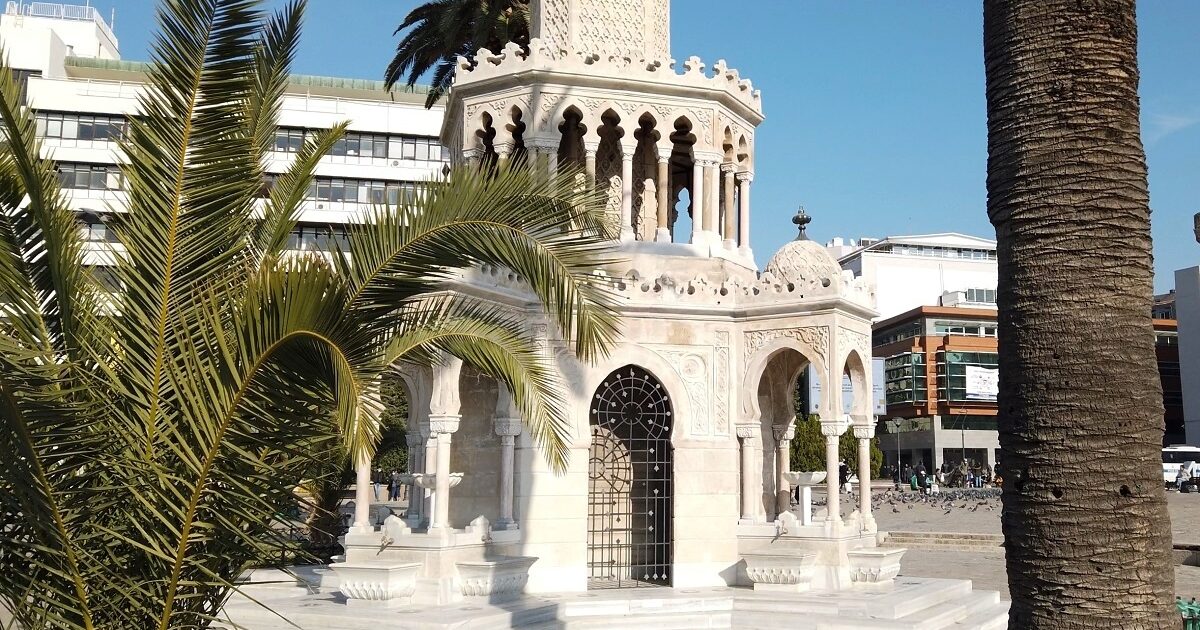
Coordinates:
801	220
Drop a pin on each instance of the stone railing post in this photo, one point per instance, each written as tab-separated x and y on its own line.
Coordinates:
743	179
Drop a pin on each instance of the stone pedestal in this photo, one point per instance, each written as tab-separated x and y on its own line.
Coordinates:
377	583
806	480
497	580
786	570
875	567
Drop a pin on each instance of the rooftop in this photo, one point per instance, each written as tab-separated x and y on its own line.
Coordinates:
122	70
57	11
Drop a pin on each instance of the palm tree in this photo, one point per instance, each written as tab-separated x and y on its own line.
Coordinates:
1086	528
443	30
151	436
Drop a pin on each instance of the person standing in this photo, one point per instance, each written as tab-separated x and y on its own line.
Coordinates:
394	487
843	476
376	481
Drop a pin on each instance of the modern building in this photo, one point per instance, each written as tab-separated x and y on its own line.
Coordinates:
940	373
83	93
1164	305
911	271
1187	310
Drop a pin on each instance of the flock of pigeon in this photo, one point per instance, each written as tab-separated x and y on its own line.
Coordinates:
950	499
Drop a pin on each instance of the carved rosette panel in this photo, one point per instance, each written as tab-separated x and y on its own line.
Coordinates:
853	340
814	340
693	369
721	391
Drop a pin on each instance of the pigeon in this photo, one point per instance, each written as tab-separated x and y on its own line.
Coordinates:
895	510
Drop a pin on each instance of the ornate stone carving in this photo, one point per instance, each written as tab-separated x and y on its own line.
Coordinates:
508	426
781	433
722	385
691	367
864	432
444	399
444	423
850	339
377	583
504	577
814	339
807	266
789	569
747	431
874	566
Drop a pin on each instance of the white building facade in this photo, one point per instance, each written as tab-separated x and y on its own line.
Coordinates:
1187	312
911	271
82	93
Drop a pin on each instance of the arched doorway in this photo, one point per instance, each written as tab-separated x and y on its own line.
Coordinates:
630	482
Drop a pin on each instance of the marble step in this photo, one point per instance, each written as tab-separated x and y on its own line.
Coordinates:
948	613
943	540
993	617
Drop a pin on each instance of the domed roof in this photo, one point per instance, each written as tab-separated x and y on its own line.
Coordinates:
805	264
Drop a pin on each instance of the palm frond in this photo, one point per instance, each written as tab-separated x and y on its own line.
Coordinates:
516	220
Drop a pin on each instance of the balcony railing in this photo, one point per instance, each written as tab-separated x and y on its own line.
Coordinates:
76	12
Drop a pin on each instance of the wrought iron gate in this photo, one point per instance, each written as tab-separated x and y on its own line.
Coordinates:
629	482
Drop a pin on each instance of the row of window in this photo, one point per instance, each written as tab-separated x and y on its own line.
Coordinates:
347	190
81	176
390	146
962	422
904	378
73	126
963	328
934	251
80	126
892	335
981	296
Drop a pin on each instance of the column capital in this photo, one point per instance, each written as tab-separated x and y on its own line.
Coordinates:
503	149
832	429
470	154
663	159
444	424
729	168
864	431
747	431
745	176
784	433
507	426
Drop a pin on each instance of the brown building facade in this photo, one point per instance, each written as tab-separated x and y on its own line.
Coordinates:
940	365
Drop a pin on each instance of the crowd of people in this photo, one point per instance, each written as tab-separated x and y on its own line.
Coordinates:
964	474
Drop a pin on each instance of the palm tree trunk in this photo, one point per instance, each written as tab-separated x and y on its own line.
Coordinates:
1081	417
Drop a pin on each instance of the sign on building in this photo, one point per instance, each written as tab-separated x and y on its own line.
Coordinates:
982	383
878	390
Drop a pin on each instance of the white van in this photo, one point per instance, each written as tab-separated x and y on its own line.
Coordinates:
1174	456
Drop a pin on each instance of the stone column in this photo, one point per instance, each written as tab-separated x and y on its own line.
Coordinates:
697	195
731	213
743	240
429	464
444	419
662	183
751	489
863	433
503	152
416	464
712	220
507	425
627	193
589	162
710	194
362	495
783	456
833	500
471	157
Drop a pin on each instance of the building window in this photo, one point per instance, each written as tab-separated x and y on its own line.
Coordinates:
347	190
79	176
981	296
1166	339
318	237
900	333
963	422
68	126
968	329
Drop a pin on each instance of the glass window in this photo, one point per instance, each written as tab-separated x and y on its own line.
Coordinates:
410	150
394	147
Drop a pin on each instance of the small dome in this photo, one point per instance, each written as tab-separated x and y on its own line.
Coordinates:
804	264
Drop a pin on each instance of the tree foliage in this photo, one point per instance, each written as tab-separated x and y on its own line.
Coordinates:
392	453
441	31
153	436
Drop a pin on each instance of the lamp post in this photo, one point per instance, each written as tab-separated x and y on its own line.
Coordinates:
894	427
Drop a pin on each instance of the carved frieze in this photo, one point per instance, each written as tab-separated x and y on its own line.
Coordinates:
814	339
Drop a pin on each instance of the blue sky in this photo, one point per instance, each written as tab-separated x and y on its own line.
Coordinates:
875	111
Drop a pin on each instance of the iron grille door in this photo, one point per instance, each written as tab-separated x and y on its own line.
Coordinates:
629	482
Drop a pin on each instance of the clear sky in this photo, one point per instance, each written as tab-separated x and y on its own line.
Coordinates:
875	111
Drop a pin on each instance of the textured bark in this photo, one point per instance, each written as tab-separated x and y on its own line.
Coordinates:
1081	419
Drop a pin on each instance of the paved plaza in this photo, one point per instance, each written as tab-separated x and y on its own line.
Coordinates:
985	568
